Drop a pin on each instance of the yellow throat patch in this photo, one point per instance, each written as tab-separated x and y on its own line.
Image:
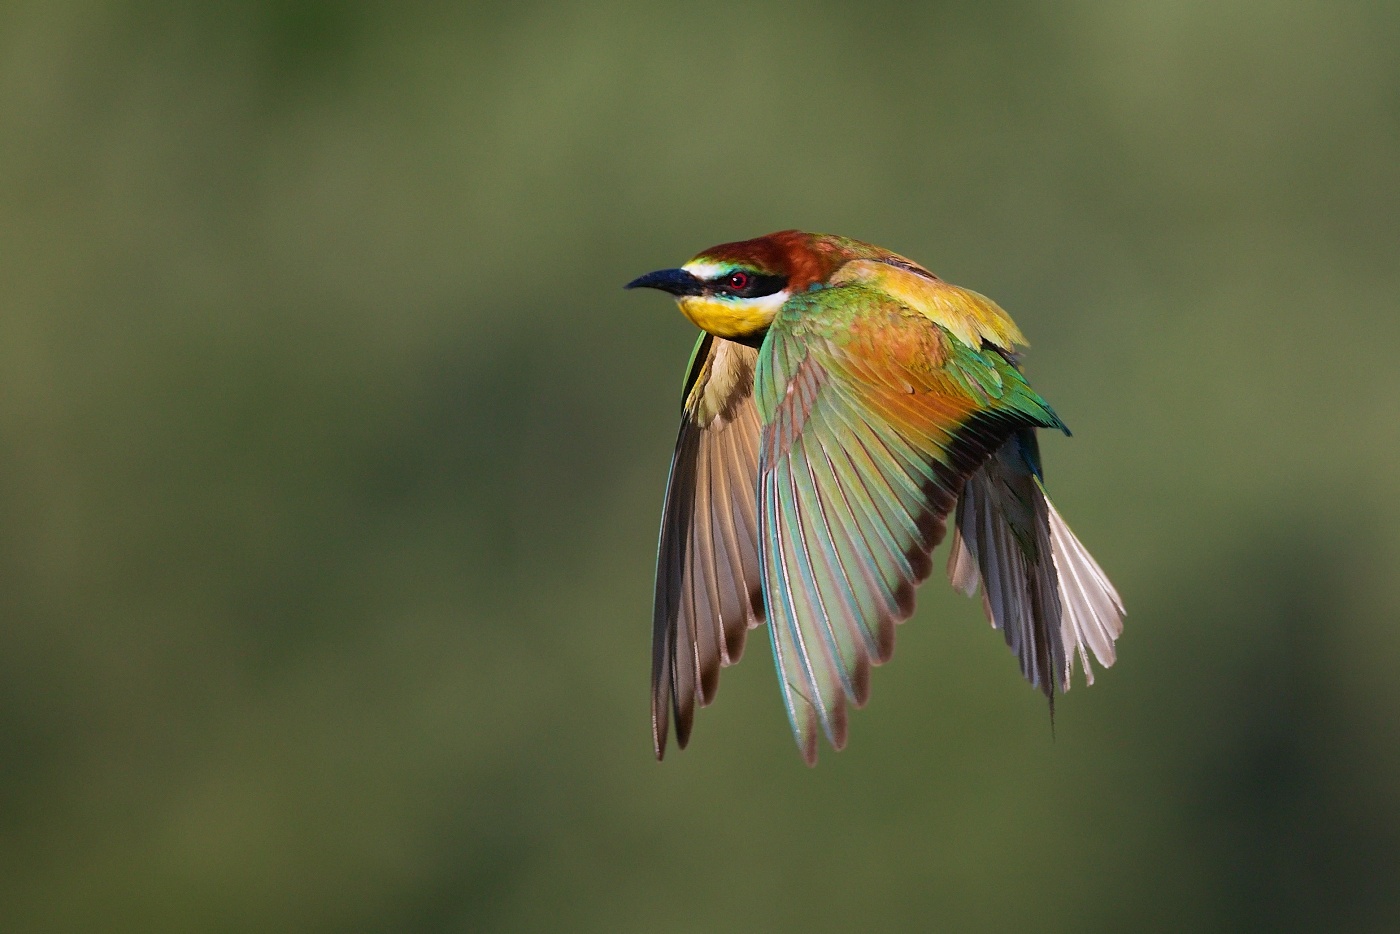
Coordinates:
731	318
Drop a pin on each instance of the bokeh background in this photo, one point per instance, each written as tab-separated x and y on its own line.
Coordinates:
331	459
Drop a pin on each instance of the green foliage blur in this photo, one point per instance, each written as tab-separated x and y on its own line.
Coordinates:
332	453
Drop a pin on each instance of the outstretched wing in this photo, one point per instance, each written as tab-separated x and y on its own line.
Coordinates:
1040	586
707	572
874	416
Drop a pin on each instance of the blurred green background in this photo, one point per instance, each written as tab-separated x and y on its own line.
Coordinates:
332	453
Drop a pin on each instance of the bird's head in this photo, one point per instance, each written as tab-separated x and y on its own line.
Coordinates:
733	290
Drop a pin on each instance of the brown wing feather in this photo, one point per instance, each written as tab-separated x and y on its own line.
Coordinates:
1039	585
707	574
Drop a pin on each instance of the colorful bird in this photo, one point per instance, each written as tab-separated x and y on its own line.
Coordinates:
840	403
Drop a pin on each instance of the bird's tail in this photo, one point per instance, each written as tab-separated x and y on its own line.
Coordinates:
1040	586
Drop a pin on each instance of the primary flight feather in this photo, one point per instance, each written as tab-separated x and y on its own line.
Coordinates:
840	404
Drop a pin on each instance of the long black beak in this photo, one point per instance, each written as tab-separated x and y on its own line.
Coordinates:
675	281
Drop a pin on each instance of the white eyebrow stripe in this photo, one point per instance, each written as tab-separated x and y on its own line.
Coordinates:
706	270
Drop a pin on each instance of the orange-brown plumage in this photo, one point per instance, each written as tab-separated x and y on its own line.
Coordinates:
804	258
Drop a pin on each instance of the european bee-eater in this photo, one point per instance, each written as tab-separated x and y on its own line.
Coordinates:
840	403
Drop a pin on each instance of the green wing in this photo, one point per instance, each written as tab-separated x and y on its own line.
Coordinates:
873	419
707	574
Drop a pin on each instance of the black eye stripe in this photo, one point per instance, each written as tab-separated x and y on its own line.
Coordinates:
757	285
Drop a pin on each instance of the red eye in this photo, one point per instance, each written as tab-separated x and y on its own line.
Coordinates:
738	281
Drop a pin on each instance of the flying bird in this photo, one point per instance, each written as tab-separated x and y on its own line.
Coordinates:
841	403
